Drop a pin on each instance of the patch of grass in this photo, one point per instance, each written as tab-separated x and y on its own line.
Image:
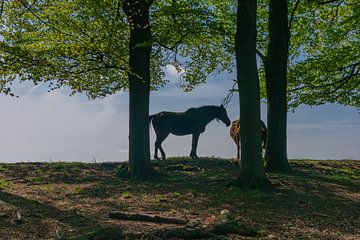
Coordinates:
36	179
176	194
179	159
126	194
69	166
161	198
178	178
3	183
3	168
183	167
341	177
39	171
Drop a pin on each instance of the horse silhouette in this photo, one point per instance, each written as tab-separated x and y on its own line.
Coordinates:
192	121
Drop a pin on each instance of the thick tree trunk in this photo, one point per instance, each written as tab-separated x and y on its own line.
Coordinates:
139	88
252	173
276	72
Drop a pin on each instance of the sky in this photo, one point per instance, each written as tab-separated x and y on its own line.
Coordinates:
42	126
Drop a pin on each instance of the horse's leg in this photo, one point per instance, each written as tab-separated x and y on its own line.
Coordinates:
159	139
156	149
155	155
195	139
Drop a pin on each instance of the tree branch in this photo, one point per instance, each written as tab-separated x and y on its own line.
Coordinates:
145	218
329	1
2	7
174	46
293	14
341	82
262	56
346	79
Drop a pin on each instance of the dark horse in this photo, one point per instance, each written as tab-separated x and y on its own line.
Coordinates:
192	121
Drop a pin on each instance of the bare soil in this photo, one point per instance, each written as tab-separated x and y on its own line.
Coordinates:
318	200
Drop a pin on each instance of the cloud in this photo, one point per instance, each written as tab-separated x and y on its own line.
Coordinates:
172	71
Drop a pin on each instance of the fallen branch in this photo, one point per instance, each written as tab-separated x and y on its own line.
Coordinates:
215	232
145	218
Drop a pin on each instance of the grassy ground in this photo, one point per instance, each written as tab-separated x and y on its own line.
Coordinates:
319	200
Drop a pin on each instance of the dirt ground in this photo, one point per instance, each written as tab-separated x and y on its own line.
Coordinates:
318	200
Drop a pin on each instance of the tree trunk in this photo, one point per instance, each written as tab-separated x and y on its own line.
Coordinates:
276	72
252	173
139	88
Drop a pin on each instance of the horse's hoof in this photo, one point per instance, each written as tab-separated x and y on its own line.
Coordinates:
195	157
156	158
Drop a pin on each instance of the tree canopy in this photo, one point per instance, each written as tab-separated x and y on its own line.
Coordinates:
324	51
83	44
325	62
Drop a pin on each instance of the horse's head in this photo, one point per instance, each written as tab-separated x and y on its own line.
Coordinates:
222	116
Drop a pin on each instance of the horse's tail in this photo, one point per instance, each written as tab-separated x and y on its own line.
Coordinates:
263	134
151	117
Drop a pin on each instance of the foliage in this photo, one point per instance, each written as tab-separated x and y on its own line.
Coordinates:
83	44
3	183
325	62
192	37
324	53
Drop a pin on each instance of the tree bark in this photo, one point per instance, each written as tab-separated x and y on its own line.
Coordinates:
252	173
139	88
276	73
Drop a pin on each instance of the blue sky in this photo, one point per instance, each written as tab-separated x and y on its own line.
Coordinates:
42	126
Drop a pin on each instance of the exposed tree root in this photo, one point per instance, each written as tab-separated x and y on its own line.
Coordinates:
145	218
251	184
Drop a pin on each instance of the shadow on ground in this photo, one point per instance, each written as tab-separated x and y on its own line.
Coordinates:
317	201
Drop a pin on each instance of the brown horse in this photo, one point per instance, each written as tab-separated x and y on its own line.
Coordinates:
235	135
192	121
